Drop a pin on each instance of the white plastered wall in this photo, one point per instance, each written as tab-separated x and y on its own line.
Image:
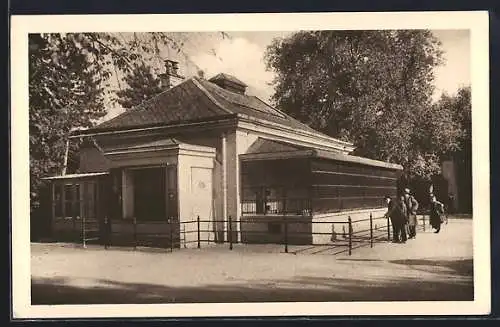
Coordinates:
187	160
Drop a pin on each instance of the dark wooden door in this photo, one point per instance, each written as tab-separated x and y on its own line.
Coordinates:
149	194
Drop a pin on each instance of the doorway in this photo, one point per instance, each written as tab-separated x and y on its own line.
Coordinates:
149	194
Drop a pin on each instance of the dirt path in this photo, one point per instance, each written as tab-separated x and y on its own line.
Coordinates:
431	267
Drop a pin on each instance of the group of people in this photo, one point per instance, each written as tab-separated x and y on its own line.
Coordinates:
403	215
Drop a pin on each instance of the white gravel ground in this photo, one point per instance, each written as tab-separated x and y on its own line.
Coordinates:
431	267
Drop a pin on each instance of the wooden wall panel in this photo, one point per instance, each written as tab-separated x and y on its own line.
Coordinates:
338	186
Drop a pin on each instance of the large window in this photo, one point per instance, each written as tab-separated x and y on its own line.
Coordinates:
67	199
305	186
275	187
90	200
58	203
75	199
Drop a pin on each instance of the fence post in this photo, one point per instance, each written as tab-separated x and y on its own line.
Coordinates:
285	220
423	221
170	227
371	230
134	222
286	235
388	229
83	233
230	236
106	233
198	226
350	234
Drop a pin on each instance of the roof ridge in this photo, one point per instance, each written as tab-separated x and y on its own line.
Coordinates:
230	78
270	106
297	121
210	96
220	92
141	105
159	94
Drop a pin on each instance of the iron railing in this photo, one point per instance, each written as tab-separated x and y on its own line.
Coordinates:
277	206
173	233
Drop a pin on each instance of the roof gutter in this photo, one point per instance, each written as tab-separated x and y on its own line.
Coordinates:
346	145
316	153
221	119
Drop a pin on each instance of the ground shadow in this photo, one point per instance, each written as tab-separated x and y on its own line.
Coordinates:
298	289
359	260
460	267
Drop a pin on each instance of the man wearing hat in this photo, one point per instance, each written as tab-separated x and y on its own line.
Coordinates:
411	209
396	211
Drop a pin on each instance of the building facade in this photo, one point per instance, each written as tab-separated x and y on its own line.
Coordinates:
205	148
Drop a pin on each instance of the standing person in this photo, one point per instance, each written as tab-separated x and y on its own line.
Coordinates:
411	213
396	211
437	209
451	203
391	214
450	208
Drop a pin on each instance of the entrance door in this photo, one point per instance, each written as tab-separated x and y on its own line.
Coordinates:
149	194
201	200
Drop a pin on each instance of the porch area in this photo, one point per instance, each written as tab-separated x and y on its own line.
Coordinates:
76	206
307	195
150	190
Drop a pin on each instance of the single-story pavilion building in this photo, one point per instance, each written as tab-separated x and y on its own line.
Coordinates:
205	148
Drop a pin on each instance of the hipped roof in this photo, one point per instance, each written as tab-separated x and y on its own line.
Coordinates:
197	100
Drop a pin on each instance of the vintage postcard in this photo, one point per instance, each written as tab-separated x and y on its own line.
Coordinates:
250	165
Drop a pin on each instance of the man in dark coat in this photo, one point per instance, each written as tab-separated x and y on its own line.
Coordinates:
411	213
437	209
396	211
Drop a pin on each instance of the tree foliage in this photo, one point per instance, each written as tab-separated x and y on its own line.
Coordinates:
373	88
69	82
64	93
460	105
142	84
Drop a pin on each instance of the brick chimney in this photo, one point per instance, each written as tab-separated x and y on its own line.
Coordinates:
171	74
229	83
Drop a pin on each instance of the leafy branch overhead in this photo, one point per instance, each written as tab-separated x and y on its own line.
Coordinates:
71	79
373	88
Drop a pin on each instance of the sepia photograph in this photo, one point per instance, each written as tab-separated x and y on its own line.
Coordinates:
290	165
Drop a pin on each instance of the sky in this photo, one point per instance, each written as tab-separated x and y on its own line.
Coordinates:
456	70
242	54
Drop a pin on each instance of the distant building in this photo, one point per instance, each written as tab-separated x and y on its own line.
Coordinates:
205	148
456	191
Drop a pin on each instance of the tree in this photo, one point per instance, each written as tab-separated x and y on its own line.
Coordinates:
373	88
69	86
460	105
64	93
141	85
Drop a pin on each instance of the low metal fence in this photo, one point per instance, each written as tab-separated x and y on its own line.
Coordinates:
287	231
130	232
173	234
